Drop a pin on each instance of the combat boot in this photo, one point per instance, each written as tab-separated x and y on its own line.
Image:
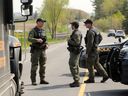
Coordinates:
34	83
104	79
89	81
44	82
74	84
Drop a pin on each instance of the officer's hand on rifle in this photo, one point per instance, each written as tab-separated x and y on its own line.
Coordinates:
39	40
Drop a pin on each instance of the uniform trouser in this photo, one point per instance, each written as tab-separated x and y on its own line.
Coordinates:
93	61
74	66
38	56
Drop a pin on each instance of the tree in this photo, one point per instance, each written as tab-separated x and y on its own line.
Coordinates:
112	13
51	12
124	8
110	22
35	15
110	8
98	9
117	20
125	25
103	24
124	11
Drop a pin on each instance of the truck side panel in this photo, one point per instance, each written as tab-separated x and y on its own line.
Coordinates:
7	84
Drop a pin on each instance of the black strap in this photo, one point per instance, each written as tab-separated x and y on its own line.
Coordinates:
80	40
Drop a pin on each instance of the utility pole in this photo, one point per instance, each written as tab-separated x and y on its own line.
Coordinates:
11	29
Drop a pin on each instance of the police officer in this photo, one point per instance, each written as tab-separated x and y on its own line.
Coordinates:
39	44
92	56
74	43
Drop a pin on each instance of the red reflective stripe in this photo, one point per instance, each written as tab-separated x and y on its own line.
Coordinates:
2	46
2	62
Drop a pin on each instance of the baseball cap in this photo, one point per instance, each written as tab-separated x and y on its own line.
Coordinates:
40	20
88	21
74	23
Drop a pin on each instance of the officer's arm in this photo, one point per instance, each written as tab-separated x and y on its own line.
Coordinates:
44	37
31	37
46	42
90	41
75	40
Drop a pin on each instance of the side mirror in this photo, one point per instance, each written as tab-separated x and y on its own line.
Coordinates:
26	10
26	2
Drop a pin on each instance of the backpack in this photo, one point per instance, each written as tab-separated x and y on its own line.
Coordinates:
98	38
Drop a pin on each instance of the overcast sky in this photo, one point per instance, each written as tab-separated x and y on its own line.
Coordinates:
85	5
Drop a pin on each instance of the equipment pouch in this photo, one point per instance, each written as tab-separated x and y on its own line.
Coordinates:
75	50
32	49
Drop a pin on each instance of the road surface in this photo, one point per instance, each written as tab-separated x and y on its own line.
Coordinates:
57	73
59	77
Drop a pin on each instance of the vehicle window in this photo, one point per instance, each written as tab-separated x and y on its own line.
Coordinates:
119	32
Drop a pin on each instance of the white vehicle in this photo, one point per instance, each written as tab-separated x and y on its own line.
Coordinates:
10	49
111	32
120	33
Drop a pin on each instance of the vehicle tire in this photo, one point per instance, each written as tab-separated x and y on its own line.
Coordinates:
113	65
13	88
15	70
20	69
123	37
82	61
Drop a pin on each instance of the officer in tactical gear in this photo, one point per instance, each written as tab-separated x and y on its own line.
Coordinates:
92	55
38	47
74	48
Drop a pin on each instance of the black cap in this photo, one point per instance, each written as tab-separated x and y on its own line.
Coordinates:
88	21
40	20
74	23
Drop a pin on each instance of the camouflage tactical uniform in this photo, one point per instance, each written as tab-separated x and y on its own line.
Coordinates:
75	40
92	59
38	54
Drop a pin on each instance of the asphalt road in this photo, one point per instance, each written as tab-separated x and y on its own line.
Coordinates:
58	75
109	88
